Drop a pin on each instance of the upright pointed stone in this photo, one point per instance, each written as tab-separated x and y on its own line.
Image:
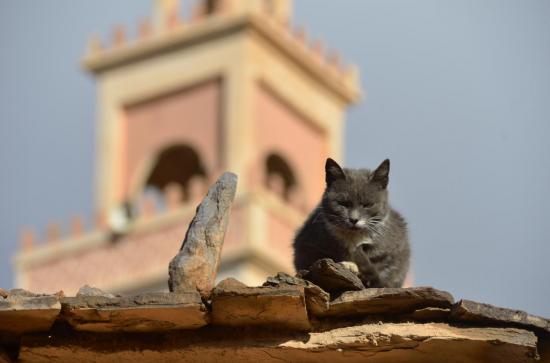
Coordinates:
196	264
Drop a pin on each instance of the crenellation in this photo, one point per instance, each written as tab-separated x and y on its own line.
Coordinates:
334	60
100	220
283	26
94	45
145	29
197	13
168	21
118	36
318	50
76	226
173	19
27	239
351	74
53	232
149	206
300	35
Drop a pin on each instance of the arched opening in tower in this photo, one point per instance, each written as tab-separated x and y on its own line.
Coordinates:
177	166
279	176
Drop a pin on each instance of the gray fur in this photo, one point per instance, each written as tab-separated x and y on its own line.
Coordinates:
354	222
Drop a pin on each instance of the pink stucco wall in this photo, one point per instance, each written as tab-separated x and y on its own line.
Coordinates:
280	234
281	130
191	117
134	258
136	255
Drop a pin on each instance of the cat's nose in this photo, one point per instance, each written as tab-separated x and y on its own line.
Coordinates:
353	221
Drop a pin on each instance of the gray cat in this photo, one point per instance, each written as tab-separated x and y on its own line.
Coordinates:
355	225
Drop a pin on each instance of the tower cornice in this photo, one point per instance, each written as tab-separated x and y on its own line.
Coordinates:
326	69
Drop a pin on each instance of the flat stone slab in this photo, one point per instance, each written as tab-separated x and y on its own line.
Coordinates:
283	307
429	314
388	301
471	311
158	311
378	343
25	312
317	299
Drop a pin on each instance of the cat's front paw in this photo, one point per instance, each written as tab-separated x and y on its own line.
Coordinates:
352	266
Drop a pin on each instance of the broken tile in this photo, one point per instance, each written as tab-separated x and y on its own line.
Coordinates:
141	313
283	307
332	277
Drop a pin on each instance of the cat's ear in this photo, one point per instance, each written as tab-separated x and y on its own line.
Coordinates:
333	172
381	174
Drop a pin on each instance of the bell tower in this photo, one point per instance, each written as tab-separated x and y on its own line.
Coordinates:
232	87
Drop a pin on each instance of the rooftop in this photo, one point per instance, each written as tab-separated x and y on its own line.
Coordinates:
288	319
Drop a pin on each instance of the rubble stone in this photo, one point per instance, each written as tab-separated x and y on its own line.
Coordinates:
283	307
467	310
332	277
196	264
3	293
388	301
87	290
141	313
24	312
317	300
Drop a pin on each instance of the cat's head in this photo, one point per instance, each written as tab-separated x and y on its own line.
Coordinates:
355	199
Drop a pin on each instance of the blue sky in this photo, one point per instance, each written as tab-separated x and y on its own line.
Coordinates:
457	96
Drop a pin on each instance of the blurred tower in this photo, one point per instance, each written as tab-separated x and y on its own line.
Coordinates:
231	88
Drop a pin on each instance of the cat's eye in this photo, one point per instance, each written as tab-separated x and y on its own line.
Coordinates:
367	204
344	203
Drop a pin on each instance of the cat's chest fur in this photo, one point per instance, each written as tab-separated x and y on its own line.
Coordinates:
350	241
